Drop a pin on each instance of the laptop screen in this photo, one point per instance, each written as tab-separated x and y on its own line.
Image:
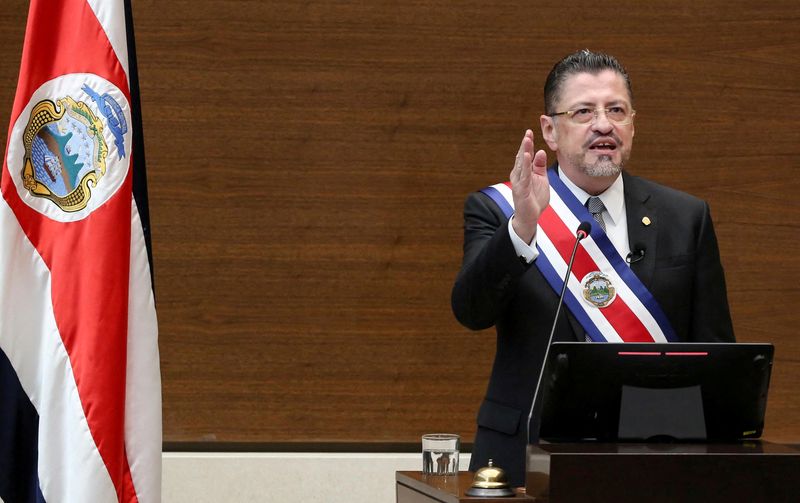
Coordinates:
654	392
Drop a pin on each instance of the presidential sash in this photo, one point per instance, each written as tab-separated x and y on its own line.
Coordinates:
603	294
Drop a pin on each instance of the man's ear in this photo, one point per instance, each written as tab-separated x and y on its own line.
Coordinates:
549	133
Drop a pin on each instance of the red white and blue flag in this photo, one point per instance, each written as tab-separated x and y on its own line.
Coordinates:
80	390
603	293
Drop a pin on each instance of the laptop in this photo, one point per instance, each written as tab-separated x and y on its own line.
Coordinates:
651	392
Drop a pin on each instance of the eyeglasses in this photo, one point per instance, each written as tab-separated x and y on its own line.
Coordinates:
620	116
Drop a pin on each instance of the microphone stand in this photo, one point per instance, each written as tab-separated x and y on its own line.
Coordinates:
583	230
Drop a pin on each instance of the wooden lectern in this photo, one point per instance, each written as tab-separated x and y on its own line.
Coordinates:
747	472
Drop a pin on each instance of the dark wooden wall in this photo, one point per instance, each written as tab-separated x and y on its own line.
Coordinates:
307	166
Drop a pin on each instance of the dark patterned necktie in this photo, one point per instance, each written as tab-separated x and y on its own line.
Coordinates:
596	208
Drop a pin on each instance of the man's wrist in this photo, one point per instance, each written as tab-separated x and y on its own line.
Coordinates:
525	250
525	233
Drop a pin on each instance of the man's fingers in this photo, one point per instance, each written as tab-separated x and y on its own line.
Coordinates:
524	156
523	146
540	162
529	135
527	142
525	170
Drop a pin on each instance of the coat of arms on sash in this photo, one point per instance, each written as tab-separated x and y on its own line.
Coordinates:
598	290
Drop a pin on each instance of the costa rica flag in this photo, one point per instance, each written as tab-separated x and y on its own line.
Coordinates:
80	386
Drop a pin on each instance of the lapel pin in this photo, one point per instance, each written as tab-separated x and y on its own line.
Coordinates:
646	221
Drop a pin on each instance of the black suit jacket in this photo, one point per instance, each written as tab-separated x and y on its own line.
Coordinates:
681	268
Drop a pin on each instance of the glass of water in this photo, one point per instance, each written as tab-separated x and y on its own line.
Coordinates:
440	453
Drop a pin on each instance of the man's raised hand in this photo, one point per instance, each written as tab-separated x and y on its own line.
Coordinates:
530	188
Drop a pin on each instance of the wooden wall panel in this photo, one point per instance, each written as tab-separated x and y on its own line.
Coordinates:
308	162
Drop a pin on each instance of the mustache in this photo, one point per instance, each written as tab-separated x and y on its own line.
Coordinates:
595	136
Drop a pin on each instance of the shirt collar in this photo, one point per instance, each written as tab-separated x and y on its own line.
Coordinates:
613	198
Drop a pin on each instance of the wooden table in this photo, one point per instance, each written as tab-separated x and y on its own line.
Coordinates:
414	487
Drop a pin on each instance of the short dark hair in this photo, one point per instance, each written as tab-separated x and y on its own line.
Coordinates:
583	61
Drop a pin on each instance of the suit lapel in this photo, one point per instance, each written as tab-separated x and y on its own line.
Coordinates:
577	329
642	218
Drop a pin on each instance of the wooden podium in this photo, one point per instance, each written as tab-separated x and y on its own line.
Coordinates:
751	472
748	472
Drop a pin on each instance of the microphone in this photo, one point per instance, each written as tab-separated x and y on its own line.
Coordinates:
636	254
583	230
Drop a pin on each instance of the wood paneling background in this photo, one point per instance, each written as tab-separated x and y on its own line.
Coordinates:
308	162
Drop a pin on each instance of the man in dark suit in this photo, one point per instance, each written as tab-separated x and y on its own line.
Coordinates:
666	235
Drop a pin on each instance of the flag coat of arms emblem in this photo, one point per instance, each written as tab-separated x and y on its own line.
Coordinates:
80	392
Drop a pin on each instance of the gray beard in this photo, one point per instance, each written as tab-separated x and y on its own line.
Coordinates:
604	166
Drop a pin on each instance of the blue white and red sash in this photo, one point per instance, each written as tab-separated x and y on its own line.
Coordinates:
631	314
